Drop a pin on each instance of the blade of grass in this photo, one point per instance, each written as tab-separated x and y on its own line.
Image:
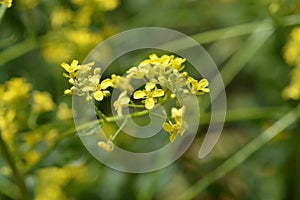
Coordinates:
241	155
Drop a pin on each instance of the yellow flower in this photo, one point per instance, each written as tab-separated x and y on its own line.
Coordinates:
71	69
106	146
149	94
17	89
60	16
173	130
100	93
42	102
8	3
64	112
121	102
199	87
179	127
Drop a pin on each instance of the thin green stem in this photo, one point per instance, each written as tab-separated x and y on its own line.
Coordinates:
119	130
98	112
18	176
241	155
136	106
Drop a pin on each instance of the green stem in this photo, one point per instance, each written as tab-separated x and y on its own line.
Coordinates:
18	176
119	130
241	155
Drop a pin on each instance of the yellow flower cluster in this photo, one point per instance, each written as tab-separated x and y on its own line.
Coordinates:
292	57
72	35
163	79
20	108
51	181
85	84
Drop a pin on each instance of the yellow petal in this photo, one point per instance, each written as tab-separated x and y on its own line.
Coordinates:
74	64
106	93
203	83
149	103
139	94
106	83
168	127
172	137
158	93
98	95
68	92
153	56
66	66
149	86
124	100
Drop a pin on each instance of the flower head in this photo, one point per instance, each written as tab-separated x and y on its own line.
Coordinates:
71	68
121	102
179	127
149	94
198	87
42	102
101	91
106	146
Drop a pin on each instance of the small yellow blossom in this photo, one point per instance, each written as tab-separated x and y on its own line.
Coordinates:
149	94
50	136
71	69
121	102
17	89
32	138
32	157
179	127
60	16
42	102
101	91
198	87
106	146
64	112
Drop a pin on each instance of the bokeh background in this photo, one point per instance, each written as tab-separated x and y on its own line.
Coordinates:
255	44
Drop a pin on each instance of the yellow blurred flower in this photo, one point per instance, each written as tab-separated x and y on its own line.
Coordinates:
42	102
32	138
292	57
60	16
149	94
17	89
32	157
50	182
50	136
64	112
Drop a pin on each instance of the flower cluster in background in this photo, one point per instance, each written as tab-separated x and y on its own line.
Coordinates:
163	78
77	28
292	57
22	113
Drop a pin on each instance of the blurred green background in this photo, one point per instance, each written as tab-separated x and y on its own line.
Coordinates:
247	39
